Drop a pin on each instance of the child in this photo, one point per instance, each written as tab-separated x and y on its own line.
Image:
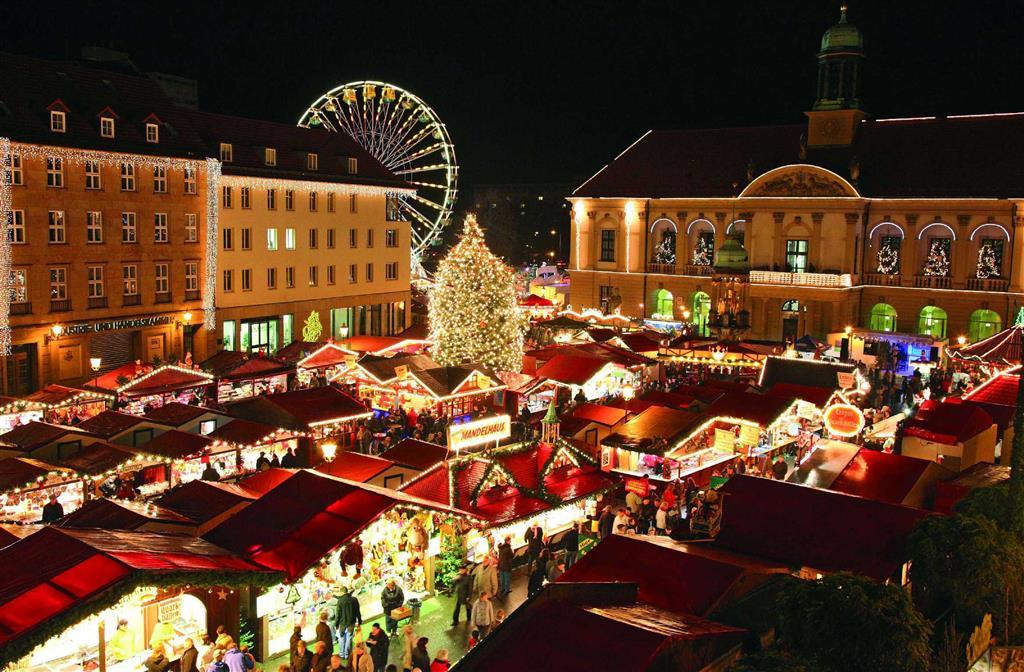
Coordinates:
474	637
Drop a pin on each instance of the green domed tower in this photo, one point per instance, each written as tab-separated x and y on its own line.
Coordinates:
832	121
729	317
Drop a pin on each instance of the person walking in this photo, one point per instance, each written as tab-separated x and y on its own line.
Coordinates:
487	576
408	644
378	643
346	618
483	613
323	632
571	542
505	558
420	656
606	523
361	660
391	598
536	581
462	588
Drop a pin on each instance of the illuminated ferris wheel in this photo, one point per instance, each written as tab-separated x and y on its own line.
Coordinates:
404	134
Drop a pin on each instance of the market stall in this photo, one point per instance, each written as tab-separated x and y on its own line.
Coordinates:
15	412
191	455
156	387
251	439
69	405
27	485
113	470
324	363
595	378
638	446
240	375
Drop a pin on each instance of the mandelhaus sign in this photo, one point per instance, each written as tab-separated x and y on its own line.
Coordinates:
479	432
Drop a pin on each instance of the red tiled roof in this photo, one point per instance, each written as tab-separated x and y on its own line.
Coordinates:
35	434
748	406
417	454
571	369
571	483
110	423
525	465
176	413
881	476
947	423
603	415
808	527
329	354
176	444
355	466
1000	390
100	457
818	396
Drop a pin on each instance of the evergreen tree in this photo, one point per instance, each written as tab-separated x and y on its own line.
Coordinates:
665	253
937	262
702	253
474	314
888	259
988	264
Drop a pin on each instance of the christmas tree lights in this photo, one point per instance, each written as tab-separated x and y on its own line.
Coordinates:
665	253
474	314
702	253
937	262
988	262
888	257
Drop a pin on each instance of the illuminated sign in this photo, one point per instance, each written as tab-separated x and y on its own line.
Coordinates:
725	440
479	432
132	323
844	420
638	486
846	380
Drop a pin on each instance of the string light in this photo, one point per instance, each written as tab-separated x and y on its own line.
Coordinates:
173	367
6	215
213	179
344	189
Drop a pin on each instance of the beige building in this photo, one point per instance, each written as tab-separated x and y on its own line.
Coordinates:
308	235
889	225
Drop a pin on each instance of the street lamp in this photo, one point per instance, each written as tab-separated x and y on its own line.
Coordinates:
330	450
343	331
187	316
95	363
56	331
961	339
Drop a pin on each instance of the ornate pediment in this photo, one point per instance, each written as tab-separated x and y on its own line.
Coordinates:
799	181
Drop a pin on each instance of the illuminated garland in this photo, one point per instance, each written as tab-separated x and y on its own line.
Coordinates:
311	185
6	211
196	372
213	179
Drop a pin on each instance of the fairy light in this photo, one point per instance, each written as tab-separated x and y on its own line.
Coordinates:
578	215
173	367
631	217
342	189
6	214
213	180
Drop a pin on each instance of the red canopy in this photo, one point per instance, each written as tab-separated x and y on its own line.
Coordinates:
203	501
355	466
947	423
1001	348
881	476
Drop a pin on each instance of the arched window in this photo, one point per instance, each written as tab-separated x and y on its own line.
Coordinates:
663	304
791	306
701	311
932	322
883	318
983	323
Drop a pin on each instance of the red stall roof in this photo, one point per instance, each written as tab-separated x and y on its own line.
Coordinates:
804	526
571	369
115	514
293	352
110	423
670	399
1000	390
60	395
301	409
609	416
176	414
536	301
113	379
638	342
640	432
328	354
176	444
946	423
883	477
416	454
235	365
355	466
749	406
204	500
100	457
17	472
10	533
35	434
244	432
167	378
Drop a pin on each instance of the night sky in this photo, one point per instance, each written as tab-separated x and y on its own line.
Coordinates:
551	91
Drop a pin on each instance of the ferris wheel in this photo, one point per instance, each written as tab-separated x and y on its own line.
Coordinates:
404	134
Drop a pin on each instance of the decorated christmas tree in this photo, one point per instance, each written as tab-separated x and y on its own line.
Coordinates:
474	315
988	263
888	258
665	253
937	262
702	253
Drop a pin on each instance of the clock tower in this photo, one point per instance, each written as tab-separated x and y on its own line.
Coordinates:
837	111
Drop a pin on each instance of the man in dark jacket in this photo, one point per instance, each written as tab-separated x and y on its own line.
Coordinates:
323	632
378	643
346	618
189	656
52	511
302	659
534	538
321	659
606	524
571	541
505	557
462	588
391	597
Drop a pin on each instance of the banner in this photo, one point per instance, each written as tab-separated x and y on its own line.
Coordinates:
638	486
846	380
479	432
750	436
725	441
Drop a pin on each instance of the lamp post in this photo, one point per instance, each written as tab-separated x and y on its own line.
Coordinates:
186	333
330	450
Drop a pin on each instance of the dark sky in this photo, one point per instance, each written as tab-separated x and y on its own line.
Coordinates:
546	91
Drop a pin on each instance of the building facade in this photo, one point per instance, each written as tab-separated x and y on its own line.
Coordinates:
886	225
104	203
310	245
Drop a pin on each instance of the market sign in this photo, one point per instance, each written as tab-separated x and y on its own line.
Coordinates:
725	441
750	435
846	380
479	432
638	486
844	420
805	410
111	325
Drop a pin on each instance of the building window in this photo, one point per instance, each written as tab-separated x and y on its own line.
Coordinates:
226	152
127	177
225	196
353	273
56	226
369	238
130	279
270	156
246	238
159	180
605	295
152	133
932	322
95	274
246	279
392	211
160	227
92	175
289	199
16	228
353	165
54	172
312	201
246	204
313	271
129	230
228	339
608	245
228	282
58	121
883	318
107	127
330	201
191	276
990	258
369	272
163	278
191	228
19	285
271	199
58	284
796	256
391	271
93	227
190	180
312	161
271	278
353	204
313	239
330	274
289	239
229	239
330	239
14	176
272	239
391	238
353	238
289	277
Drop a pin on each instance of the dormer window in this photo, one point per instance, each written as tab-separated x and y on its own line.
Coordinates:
270	156
353	165
226	151
312	161
107	127
152	132
58	121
